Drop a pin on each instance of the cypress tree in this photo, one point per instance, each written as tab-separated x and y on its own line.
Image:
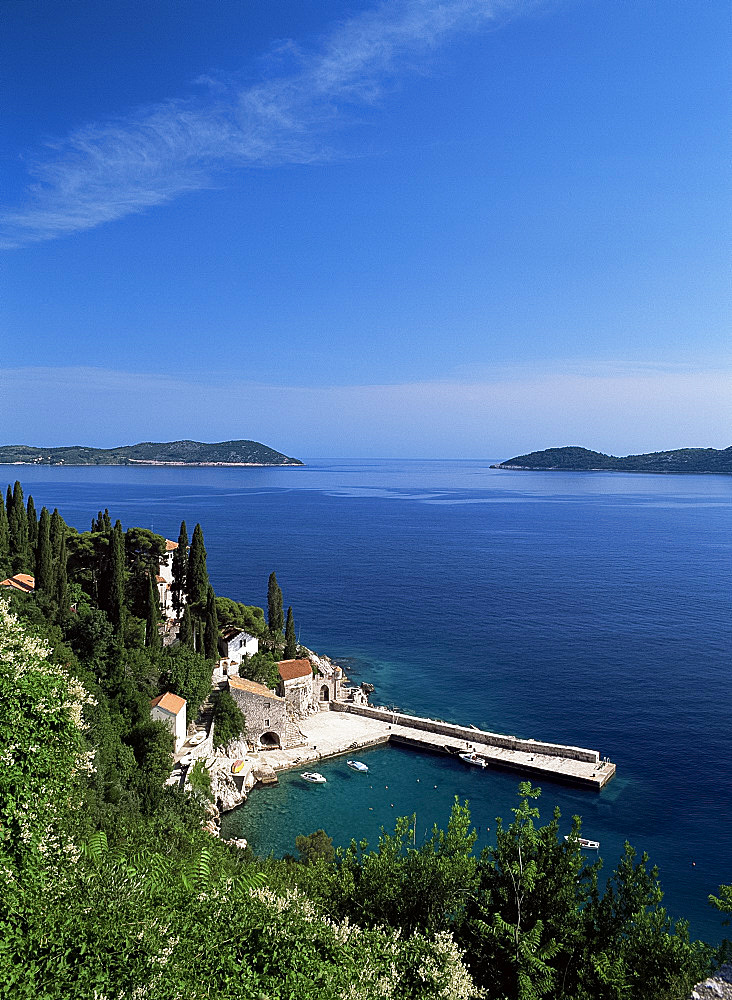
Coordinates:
275	618
32	518
185	632
58	532
180	570
290	640
18	524
44	556
5	563
60	578
211	630
8	500
116	578
197	574
106	521
152	635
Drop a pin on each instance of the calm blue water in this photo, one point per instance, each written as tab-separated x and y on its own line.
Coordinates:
583	608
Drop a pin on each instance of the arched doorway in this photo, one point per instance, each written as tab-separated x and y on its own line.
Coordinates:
269	739
324	693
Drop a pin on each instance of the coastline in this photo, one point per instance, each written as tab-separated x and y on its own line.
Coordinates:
140	461
635	472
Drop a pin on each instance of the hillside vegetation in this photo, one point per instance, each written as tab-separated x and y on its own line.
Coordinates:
698	460
150	453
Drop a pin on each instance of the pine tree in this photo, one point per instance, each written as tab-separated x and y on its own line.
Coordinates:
115	590
18	524
290	640
185	632
44	556
211	630
180	570
60	577
32	519
152	635
197	574
275	617
5	563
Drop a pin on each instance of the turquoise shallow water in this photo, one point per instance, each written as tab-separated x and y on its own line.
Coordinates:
587	608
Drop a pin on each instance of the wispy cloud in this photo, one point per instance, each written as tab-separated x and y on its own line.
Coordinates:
108	170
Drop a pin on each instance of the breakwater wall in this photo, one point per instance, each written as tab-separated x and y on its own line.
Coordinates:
468	734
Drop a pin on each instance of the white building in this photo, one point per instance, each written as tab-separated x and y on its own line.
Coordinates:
235	644
171	709
164	580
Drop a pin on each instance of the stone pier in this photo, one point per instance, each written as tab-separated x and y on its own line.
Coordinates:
347	728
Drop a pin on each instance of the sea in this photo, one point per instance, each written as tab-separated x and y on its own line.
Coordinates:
590	608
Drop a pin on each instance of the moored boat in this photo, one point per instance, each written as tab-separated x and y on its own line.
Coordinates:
474	759
314	776
585	844
357	765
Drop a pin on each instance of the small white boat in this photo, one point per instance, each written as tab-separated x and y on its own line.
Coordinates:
585	844
314	776
357	765
474	759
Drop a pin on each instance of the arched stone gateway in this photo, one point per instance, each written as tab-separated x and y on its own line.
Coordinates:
324	693
269	739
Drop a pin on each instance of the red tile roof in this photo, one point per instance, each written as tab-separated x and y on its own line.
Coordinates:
21	581
169	546
290	670
172	703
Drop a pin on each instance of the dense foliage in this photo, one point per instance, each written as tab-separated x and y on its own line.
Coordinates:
111	888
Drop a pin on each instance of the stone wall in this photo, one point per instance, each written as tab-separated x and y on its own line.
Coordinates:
299	694
263	714
475	736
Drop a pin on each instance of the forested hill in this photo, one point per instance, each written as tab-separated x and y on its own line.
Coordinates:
583	460
149	453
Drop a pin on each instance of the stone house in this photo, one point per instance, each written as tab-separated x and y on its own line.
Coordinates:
235	644
296	685
171	709
265	712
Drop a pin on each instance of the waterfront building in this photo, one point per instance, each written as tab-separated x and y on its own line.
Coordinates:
264	710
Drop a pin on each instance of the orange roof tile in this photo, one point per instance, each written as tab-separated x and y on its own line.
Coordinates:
21	581
172	703
169	546
292	669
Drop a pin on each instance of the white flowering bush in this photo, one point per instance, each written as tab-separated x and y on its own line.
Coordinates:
43	751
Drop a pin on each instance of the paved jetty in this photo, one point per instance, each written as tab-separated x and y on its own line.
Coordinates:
346	728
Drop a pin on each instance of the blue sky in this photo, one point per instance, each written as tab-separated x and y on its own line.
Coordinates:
460	228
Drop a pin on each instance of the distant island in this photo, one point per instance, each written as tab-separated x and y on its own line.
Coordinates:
149	453
698	460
